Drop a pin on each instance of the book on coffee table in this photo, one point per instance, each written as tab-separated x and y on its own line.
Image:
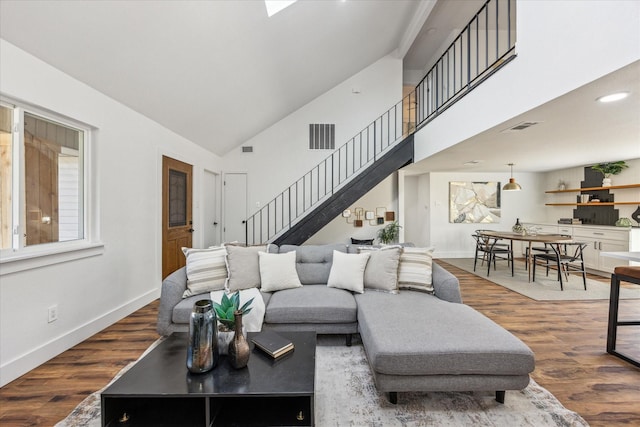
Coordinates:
273	344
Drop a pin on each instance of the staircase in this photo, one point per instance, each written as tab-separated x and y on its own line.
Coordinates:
398	157
483	47
339	180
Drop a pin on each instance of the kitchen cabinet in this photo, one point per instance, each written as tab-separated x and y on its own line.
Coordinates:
601	239
598	239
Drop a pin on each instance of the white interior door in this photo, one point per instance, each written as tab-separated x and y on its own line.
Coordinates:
235	207
211	222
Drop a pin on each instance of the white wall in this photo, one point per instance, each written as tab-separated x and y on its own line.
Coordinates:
281	154
572	178
384	194
92	293
431	227
427	209
561	45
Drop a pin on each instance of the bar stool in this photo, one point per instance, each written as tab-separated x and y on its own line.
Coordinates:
620	274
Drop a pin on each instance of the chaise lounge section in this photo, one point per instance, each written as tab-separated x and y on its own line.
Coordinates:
414	341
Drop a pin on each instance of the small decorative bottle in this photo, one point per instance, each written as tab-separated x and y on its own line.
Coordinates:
202	351
517	227
239	347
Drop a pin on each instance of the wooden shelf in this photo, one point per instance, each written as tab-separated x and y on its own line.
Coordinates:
613	187
593	204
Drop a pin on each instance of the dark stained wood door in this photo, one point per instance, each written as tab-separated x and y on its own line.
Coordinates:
177	223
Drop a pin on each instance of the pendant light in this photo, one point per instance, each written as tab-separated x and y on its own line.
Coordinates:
512	185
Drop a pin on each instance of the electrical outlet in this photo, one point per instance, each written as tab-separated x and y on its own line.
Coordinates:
53	313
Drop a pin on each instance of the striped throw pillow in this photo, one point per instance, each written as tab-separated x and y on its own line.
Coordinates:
206	270
414	272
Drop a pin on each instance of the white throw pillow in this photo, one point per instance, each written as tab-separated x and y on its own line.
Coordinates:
278	271
415	269
206	270
347	271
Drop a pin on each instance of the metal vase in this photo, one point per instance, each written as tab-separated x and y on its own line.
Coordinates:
202	351
239	350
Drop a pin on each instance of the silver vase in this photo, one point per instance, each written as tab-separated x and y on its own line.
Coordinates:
202	351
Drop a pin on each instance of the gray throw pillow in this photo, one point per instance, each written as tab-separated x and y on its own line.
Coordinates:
381	273
243	266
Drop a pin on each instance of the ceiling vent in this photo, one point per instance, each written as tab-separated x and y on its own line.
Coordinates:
521	126
247	149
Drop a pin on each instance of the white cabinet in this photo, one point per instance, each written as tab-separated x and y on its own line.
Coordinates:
605	239
566	230
598	239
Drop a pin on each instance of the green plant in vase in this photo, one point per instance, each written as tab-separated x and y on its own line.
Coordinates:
389	234
228	306
608	169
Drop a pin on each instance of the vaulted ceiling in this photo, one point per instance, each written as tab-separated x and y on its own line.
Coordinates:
218	72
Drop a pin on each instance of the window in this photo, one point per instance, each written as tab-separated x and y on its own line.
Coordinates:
42	179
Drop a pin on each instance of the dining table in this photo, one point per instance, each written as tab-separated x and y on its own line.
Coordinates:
546	238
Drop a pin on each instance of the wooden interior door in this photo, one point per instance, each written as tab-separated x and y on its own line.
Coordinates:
235	207
177	223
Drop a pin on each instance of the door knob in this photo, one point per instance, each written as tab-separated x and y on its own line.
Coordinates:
191	230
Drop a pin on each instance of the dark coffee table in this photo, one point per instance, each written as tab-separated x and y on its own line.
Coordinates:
160	391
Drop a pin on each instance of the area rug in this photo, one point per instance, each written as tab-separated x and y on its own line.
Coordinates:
544	288
346	396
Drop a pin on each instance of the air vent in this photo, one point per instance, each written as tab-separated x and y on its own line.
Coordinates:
247	149
322	136
521	126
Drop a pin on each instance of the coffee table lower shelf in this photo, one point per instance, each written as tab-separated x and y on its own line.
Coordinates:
158	390
209	411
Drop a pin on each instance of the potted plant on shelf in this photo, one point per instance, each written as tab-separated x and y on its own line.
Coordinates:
389	234
225	312
608	169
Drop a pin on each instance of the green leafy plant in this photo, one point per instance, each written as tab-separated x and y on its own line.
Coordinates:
389	233
228	306
610	168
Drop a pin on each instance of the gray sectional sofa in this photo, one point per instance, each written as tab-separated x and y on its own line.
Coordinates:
414	341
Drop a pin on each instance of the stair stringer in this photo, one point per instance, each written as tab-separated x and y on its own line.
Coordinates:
399	156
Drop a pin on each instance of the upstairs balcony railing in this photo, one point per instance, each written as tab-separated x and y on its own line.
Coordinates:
485	45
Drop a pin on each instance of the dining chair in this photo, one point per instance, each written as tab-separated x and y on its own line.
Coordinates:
567	258
546	249
490	249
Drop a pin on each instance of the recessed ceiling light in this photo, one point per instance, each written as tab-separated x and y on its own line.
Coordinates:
472	162
613	97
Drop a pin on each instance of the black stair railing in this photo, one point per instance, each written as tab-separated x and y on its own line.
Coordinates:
327	177
485	45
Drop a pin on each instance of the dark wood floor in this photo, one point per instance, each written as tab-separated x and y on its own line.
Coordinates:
567	337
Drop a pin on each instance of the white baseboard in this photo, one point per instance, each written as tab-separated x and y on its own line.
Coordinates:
17	367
